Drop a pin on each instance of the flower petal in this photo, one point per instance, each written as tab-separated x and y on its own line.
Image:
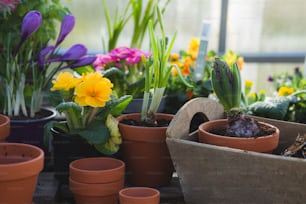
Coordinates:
66	27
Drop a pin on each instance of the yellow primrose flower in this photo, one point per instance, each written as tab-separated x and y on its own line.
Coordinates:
94	91
285	91
65	81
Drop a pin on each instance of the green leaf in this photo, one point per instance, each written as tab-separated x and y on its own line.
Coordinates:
96	133
120	105
275	108
84	69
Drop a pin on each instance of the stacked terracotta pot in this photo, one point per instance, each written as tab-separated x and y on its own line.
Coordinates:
96	180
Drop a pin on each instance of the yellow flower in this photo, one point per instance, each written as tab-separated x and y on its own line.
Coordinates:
262	92
174	57
285	91
65	81
94	91
193	48
248	83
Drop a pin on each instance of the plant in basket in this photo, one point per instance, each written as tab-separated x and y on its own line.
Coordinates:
238	130
144	137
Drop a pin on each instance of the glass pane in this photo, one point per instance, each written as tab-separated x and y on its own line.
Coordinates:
182	16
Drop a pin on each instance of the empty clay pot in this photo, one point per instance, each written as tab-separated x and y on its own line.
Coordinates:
20	165
96	180
4	127
139	195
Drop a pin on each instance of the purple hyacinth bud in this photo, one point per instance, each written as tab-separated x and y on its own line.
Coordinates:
86	60
66	27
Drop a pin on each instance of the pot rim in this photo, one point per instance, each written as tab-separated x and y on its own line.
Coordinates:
224	121
28	167
124	192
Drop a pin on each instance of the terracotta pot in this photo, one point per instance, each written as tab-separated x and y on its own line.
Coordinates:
96	180
264	144
145	153
139	195
4	127
31	131
20	165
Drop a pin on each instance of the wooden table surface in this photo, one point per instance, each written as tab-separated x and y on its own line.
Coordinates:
48	191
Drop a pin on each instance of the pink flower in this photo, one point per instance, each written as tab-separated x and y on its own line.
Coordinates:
10	3
120	53
101	61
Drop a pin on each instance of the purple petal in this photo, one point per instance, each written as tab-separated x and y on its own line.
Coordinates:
74	53
66	27
86	60
43	53
31	22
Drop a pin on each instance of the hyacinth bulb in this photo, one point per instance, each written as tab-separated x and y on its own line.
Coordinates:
66	27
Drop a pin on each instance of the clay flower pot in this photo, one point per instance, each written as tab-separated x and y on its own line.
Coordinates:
145	153
264	144
4	127
139	195
96	180
20	165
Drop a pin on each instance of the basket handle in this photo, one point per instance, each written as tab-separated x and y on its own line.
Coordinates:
179	125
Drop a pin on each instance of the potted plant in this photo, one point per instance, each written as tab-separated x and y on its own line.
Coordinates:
90	128
27	72
144	134
238	130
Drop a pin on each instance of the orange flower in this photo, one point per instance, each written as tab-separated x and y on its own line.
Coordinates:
240	62
189	94
174	57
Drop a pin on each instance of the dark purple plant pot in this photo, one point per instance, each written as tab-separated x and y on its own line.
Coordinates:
31	132
67	148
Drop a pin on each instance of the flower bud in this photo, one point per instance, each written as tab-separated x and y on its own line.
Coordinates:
66	27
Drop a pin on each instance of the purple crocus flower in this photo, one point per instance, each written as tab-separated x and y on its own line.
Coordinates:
43	55
83	61
75	52
31	22
66	27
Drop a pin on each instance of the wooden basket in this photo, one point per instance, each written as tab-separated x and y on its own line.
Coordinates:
213	174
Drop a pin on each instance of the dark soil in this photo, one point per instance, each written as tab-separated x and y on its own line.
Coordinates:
41	114
159	123
264	131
